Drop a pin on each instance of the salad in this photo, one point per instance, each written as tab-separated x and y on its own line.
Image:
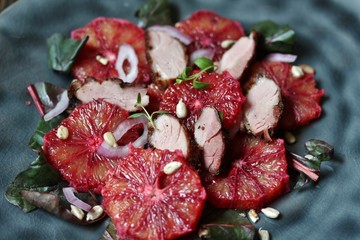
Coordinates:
171	129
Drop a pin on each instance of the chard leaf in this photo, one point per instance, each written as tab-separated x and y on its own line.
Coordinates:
110	232
274	37
37	139
62	51
40	177
154	12
226	224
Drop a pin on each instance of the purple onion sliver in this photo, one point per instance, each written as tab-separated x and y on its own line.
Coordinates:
281	57
71	198
60	107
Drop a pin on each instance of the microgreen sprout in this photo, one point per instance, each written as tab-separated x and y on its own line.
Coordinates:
205	65
146	113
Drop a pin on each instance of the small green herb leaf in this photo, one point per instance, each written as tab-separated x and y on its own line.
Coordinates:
275	38
138	100
204	64
200	85
62	51
154	12
136	115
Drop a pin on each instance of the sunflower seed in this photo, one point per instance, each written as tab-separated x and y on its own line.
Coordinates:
297	71
62	132
270	212
110	139
77	212
264	234
172	167
94	213
254	217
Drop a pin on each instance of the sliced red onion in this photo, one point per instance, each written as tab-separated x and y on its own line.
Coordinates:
60	106
203	52
71	198
172	31
281	57
121	151
127	52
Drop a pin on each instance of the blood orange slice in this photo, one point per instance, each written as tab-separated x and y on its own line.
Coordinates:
300	96
75	156
98	57
224	94
257	177
146	203
209	30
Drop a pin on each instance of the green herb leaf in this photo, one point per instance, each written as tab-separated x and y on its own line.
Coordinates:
160	112
319	149
275	38
37	139
154	12
62	51
200	85
40	177
226	224
138	99
204	64
136	115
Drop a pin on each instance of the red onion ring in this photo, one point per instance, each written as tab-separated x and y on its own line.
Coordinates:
203	52
121	151
71	198
127	52
281	57
172	31
61	106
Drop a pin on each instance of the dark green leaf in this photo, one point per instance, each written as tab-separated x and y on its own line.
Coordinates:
204	64
136	115
40	176
154	12
36	140
160	112
275	38
200	85
227	224
62	51
138	99
319	149
110	232
221	116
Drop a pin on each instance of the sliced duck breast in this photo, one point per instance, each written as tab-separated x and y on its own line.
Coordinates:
263	106
209	136
170	134
112	90
166	55
237	58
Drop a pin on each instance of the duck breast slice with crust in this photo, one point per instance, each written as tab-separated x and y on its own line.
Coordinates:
208	135
112	90
166	56
170	134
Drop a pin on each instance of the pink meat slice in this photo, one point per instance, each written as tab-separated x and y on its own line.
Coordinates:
208	135
236	59
263	106
166	56
170	134
112	91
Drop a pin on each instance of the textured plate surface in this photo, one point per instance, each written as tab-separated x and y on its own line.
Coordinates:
327	39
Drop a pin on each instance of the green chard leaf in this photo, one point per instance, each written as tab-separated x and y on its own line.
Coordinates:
39	177
226	224
63	51
274	37
37	139
154	12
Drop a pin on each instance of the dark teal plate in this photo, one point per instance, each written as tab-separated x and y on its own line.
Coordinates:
328	39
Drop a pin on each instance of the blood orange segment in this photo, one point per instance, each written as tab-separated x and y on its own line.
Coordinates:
106	35
300	96
224	94
75	157
209	30
255	178
145	203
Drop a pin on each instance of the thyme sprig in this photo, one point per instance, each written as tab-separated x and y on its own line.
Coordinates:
146	113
